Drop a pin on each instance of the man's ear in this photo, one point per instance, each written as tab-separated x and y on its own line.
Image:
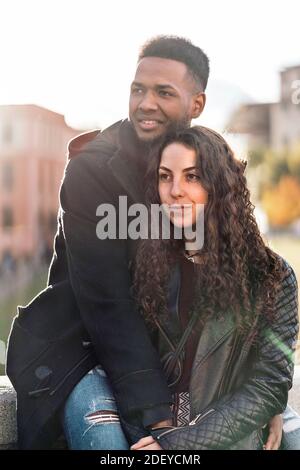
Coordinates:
199	103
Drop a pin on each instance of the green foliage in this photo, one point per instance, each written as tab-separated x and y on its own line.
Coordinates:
293	161
279	169
256	157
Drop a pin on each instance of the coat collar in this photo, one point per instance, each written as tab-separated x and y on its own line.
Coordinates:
127	175
128	163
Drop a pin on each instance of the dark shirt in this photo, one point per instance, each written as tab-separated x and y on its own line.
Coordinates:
180	299
186	294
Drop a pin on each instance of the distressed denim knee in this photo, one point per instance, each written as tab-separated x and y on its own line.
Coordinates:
90	417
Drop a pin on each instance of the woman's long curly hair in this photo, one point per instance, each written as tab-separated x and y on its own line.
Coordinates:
238	271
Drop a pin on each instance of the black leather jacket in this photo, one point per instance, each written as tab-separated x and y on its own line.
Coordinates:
236	388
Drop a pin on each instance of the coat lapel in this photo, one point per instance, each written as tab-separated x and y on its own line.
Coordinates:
127	175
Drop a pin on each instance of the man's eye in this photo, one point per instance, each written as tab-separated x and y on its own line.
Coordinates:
165	93
137	91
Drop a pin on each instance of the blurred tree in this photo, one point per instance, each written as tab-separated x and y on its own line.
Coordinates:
282	201
256	157
293	161
277	165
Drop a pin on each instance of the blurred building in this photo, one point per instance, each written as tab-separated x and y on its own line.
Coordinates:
33	144
272	125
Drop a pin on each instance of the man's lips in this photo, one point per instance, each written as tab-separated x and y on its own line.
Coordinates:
149	124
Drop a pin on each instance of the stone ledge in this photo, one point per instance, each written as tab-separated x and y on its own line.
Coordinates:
8	425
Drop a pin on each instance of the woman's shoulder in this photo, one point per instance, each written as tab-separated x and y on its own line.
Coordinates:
286	304
289	278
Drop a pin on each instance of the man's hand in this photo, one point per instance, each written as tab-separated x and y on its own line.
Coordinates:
161	424
146	443
275	433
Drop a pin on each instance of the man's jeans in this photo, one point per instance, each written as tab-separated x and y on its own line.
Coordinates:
91	421
90	417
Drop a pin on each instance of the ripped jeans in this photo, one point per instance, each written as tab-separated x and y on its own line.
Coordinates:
91	421
90	417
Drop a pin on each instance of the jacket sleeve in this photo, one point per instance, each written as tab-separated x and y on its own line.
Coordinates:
264	394
100	278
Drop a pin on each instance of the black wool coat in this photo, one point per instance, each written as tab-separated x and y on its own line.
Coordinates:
86	315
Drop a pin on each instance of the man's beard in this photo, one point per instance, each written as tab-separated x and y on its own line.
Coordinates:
152	145
177	126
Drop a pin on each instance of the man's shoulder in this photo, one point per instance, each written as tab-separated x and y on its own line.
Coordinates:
90	153
96	142
77	144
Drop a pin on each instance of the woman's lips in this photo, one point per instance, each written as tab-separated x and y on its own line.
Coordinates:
180	208
181	212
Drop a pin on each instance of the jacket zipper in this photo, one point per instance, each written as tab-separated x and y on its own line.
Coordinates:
201	415
196	420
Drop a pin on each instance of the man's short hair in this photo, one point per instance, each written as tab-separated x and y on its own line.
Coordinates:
182	50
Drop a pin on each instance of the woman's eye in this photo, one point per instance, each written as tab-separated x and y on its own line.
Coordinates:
164	177
192	177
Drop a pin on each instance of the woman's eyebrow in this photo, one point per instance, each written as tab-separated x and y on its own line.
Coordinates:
165	168
190	168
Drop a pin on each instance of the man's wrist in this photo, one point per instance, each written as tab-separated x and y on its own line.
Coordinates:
162	424
156	414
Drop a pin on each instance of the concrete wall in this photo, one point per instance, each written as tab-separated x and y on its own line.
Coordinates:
8	425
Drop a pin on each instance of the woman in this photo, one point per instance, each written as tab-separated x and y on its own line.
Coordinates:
230	305
237	365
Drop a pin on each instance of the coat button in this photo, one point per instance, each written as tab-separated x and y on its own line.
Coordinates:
43	372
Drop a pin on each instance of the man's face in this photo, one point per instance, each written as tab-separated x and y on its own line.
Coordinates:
162	98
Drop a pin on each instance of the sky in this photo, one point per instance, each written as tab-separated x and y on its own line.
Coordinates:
78	57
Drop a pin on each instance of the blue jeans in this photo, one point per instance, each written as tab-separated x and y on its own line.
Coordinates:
90	417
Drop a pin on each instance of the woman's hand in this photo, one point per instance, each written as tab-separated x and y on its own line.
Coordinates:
146	443
275	433
273	441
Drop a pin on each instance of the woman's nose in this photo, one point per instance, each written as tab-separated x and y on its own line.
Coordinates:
148	103
177	189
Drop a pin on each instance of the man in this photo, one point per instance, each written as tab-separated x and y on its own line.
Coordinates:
90	304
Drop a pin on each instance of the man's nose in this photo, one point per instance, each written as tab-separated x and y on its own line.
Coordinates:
148	102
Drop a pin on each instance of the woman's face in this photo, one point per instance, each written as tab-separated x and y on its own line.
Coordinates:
179	184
